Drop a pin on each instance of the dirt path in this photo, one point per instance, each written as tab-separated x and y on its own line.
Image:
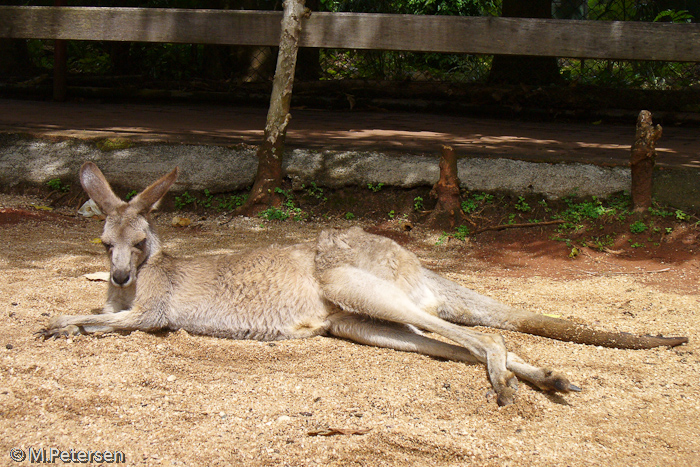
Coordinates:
179	399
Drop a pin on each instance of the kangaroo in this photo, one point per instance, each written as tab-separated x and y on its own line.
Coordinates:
347	284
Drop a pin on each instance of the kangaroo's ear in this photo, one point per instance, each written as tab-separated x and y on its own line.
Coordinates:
148	198
96	186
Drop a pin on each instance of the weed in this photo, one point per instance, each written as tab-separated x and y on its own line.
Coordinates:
443	237
375	188
57	185
274	214
131	194
522	206
184	200
469	206
208	199
602	243
315	192
392	214
637	245
232	202
638	227
682	216
349	216
462	233
286	211
669	230
660	212
418	203
475	201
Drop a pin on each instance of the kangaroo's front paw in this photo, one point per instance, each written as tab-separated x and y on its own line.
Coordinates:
58	327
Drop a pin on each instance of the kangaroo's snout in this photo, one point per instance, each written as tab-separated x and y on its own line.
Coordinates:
121	278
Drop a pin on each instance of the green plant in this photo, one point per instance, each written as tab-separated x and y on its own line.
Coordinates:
660	212
682	216
314	191
469	206
349	216
602	243
392	214
184	200
285	211
208	199
442	238
418	203
375	188
57	185
462	233
521	205
475	201
274	214
131	194
638	227
232	202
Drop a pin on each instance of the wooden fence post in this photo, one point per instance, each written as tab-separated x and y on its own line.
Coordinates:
270	152
642	160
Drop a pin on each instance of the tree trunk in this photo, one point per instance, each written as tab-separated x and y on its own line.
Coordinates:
60	65
270	152
447	214
525	69
643	159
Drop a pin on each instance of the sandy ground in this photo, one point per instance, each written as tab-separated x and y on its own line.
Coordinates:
179	399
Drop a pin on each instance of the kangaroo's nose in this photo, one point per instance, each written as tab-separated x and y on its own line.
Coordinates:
120	277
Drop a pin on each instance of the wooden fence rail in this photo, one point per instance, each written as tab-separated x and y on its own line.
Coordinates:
450	34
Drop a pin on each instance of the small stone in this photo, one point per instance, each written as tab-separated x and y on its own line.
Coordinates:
172	378
9	347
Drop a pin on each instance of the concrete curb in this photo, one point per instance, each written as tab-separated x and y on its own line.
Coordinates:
218	168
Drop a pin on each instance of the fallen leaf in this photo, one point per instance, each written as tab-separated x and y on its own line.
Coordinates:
96	241
97	276
41	208
181	221
551	315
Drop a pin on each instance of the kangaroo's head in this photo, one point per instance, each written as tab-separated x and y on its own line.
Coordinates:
127	236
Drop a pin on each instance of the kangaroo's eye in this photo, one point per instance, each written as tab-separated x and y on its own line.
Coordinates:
141	245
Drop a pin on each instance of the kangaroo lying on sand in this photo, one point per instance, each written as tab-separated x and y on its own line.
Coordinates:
347	283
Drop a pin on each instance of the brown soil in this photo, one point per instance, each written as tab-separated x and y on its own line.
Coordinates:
180	399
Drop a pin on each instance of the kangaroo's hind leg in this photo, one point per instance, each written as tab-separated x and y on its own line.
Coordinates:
356	290
401	337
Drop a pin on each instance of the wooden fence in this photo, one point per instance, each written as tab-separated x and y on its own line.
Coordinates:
450	34
414	33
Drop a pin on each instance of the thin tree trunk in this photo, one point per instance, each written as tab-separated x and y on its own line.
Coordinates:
270	152
447	214
60	65
643	159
